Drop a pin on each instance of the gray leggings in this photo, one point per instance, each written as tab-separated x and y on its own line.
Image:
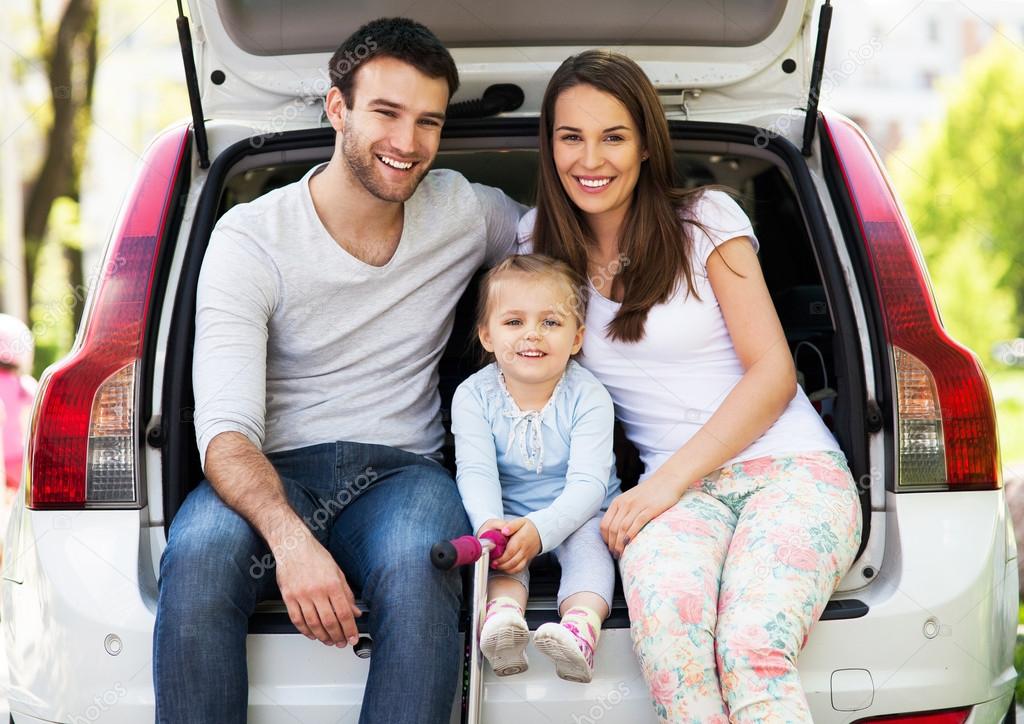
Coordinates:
586	563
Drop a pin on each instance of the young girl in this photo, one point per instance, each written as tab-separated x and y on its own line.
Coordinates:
533	442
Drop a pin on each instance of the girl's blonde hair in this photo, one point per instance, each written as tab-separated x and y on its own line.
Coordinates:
573	303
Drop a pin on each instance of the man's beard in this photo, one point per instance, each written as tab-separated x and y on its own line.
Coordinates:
363	165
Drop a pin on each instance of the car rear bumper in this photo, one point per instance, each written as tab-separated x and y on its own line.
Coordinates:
942	624
939	632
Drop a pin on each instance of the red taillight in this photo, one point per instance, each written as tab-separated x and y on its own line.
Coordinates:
950	716
948	420
84	435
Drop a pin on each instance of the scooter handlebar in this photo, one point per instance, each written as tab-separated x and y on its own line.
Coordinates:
448	554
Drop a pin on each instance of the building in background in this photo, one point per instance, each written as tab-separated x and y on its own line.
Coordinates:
885	64
886	60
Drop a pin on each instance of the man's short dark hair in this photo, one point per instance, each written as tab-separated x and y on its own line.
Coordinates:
399	38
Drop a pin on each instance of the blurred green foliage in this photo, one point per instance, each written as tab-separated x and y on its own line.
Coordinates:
53	299
961	183
1008	392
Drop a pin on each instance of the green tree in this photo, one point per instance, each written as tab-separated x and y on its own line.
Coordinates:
974	308
962	186
71	57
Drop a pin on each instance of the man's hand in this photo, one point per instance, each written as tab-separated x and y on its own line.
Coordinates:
631	511
319	600
523	546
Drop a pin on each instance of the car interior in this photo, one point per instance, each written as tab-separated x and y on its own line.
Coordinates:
786	253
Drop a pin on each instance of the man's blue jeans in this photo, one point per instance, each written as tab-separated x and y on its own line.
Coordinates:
377	510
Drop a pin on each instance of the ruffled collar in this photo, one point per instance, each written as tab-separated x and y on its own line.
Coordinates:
525	427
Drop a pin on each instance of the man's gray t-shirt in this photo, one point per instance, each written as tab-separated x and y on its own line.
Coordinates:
298	342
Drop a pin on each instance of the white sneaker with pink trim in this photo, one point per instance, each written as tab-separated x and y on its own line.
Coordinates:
573	655
503	640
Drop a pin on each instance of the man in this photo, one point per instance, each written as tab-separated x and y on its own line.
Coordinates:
323	308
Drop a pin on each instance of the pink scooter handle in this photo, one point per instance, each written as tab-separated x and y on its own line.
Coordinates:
448	554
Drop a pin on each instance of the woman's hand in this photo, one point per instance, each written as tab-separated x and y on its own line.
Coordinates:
523	546
635	508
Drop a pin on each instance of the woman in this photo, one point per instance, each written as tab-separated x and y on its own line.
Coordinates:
746	517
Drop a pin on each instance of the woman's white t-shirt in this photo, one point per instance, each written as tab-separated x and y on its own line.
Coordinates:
667	385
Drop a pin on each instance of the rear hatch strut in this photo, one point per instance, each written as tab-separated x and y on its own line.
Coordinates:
817	70
192	82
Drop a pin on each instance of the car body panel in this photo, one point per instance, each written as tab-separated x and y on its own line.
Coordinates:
73	578
81	585
289	78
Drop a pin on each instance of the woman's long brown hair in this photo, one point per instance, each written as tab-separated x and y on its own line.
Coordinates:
653	242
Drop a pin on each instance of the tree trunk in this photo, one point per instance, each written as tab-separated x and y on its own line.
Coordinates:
71	67
76	279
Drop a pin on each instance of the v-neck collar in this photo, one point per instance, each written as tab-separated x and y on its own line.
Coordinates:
400	249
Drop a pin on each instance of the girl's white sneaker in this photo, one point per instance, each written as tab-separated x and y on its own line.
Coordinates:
503	639
561	646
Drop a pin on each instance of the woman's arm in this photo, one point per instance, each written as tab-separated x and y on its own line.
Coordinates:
769	379
751	407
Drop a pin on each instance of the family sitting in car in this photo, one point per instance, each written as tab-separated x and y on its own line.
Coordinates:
322	312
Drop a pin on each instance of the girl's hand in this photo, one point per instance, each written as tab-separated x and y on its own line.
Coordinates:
634	509
491	524
523	546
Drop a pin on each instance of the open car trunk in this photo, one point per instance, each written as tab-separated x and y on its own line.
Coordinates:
797	256
267	59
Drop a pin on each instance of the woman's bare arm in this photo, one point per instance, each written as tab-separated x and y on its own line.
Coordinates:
751	407
769	380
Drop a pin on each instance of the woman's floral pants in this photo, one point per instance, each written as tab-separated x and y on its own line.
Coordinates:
723	587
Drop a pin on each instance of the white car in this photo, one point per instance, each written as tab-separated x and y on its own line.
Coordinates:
922	629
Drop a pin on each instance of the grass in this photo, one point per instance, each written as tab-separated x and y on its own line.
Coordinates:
1008	391
1018	663
1018	658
